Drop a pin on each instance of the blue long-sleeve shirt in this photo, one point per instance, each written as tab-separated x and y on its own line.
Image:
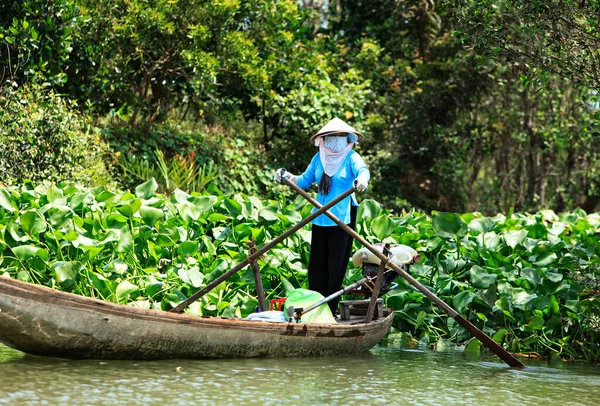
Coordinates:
343	180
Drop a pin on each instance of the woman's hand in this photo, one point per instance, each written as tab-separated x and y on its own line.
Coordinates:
281	174
362	181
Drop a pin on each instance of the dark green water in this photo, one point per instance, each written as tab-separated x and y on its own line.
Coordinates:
383	376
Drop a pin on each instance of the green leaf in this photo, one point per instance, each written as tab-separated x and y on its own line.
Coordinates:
480	278
204	203
557	228
233	207
546	259
482	225
79	199
126	291
448	225
168	235
195	309
536	323
116	266
554	276
23	276
462	300
5	201
214	217
291	215
67	273
32	222
368	209
60	217
287	286
473	346
514	237
180	196
492	241
116	220
25	252
482	317
269	213
504	305
151	215
54	193
420	319
499	335
553	306
125	243
520	298
191	276
382	226
147	189
103	195
552	288
152	285
129	209
187	248
531	275
529	341
175	297
242	232
188	211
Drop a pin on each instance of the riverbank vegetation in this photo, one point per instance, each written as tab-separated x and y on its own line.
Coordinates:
527	280
480	107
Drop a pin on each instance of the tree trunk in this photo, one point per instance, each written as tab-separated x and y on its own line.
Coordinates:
532	165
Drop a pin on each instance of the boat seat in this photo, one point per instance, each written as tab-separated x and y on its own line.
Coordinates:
350	308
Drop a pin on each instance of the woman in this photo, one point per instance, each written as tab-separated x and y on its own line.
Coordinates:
335	168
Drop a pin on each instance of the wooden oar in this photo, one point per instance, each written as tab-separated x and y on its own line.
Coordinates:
257	254
484	338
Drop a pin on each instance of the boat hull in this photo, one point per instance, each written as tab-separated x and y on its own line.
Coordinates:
43	321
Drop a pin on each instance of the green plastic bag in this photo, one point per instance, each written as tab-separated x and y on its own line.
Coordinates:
304	298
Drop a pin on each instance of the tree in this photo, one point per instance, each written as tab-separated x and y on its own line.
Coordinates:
147	59
35	40
537	37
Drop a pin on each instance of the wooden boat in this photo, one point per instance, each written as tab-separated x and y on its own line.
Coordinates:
43	321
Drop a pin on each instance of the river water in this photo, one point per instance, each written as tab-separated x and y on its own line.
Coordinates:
382	376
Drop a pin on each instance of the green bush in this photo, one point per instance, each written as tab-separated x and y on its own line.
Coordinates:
240	161
36	40
42	137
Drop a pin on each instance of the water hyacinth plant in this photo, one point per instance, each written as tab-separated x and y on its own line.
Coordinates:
528	280
142	248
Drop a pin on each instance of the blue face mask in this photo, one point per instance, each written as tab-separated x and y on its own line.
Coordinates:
335	143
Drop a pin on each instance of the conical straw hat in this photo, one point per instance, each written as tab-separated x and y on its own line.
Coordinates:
336	126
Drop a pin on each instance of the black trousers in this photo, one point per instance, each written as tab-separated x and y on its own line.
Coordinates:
330	250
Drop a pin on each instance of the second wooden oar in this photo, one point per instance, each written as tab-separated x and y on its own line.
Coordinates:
484	338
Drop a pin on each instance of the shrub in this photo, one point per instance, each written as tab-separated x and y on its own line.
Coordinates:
180	172
240	163
42	137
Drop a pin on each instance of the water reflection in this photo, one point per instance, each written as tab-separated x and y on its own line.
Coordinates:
382	376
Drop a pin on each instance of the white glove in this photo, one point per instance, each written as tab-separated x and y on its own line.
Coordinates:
281	173
362	181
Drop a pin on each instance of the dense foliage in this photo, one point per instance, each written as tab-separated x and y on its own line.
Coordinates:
467	105
530	281
43	137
